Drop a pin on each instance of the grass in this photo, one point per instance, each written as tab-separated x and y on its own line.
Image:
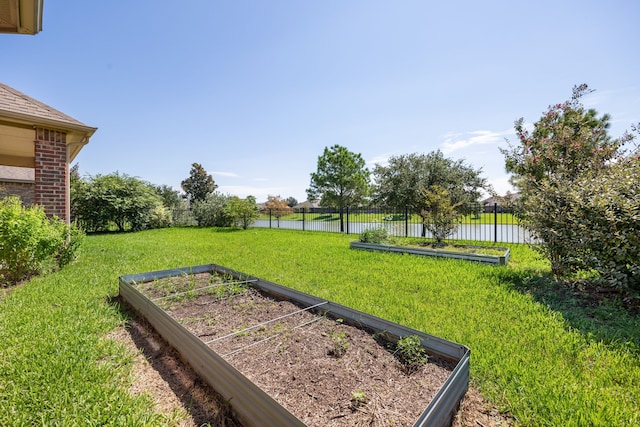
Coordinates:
543	354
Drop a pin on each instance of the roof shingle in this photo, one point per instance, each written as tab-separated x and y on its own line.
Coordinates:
14	101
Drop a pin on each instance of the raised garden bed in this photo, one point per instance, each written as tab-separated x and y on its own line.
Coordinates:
469	253
282	357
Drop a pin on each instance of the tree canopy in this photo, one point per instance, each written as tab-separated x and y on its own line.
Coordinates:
199	184
341	180
102	200
579	192
277	206
403	180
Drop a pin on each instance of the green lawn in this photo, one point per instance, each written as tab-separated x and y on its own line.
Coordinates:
546	357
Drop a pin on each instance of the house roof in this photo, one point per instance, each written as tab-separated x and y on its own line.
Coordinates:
308	204
16	104
14	174
20	113
499	199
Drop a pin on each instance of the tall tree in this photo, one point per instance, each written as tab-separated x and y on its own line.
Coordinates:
341	180
199	184
403	180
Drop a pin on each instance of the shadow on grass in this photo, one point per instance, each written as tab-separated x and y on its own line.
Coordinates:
204	405
599	314
327	217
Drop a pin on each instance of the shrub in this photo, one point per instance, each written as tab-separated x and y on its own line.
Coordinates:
31	243
608	233
374	235
102	201
212	212
243	212
557	167
160	217
439	215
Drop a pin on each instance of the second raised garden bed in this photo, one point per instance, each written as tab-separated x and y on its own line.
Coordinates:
469	253
283	357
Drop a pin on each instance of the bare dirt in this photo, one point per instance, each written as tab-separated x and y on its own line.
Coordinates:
323	371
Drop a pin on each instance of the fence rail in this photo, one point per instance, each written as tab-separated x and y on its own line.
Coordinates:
488	224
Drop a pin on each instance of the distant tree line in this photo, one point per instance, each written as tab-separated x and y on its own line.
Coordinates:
578	193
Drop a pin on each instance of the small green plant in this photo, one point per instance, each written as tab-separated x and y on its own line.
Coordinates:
411	353
358	398
374	235
340	344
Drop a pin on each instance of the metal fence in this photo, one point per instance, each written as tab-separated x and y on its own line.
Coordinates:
488	224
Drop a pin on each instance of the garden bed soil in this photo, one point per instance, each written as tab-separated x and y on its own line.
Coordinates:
301	367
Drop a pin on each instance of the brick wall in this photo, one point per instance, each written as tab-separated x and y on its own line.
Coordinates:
24	190
52	173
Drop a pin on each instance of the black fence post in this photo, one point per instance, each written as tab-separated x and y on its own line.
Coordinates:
347	219
303	217
495	222
269	217
406	221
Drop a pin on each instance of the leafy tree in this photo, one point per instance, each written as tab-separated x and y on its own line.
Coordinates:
243	212
341	180
277	207
402	181
569	146
292	201
199	184
170	197
122	200
439	215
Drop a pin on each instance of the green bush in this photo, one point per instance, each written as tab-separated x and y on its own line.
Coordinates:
374	235
160	217
578	192
243	212
608	231
31	243
102	201
212	212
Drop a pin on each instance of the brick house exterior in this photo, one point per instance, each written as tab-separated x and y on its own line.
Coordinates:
37	144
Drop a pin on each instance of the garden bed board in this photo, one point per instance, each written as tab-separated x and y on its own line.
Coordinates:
502	259
257	407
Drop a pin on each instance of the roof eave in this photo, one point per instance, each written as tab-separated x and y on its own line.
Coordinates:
85	132
22	17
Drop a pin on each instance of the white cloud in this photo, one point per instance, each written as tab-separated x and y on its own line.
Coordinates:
228	174
260	193
381	159
458	141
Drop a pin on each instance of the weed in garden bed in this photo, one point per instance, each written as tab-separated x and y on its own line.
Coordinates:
340	344
411	353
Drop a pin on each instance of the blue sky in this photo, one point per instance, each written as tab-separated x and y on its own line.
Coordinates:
255	90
